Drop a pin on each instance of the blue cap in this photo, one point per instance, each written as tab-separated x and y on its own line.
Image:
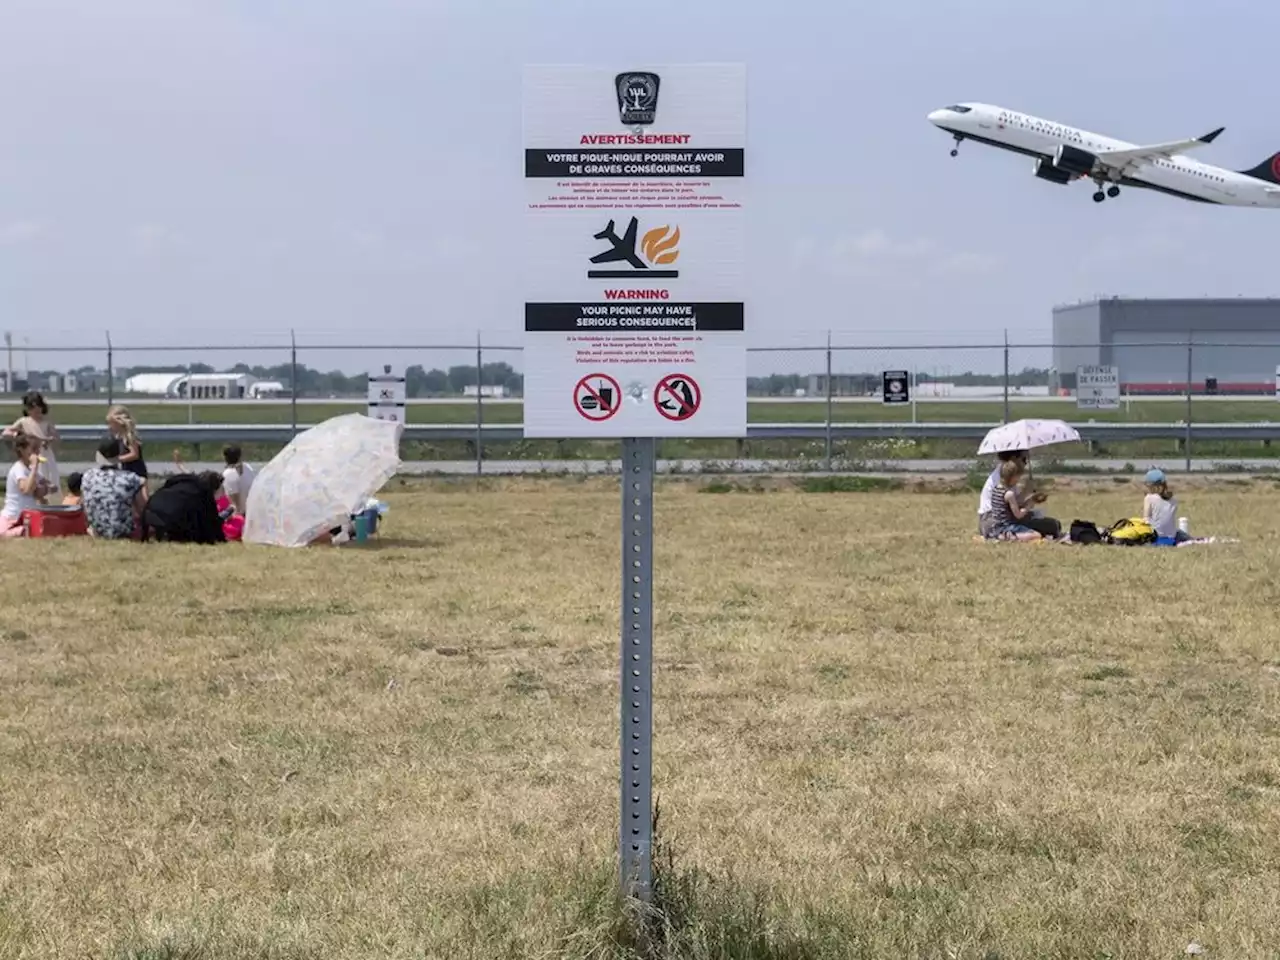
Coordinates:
1155	476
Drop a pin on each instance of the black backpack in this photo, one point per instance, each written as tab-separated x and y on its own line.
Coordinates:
1082	531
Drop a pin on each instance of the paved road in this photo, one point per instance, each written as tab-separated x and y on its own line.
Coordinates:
769	467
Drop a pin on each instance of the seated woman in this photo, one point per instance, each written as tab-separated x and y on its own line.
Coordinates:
1008	515
232	520
184	510
1047	527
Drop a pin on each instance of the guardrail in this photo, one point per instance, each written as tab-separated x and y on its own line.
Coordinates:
509	432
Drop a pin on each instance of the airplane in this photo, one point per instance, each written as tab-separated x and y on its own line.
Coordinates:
624	247
1063	153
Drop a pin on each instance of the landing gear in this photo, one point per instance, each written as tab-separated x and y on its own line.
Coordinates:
956	149
1111	189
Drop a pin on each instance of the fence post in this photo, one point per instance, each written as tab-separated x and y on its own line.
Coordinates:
111	372
191	407
830	388
479	406
293	383
1187	440
1006	375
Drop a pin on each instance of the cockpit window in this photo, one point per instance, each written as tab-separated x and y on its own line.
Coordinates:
958	108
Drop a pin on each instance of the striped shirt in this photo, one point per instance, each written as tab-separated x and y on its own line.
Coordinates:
1001	513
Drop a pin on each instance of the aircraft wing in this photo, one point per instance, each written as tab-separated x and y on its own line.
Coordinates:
1137	156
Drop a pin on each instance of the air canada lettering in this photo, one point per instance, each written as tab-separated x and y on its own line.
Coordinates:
637	294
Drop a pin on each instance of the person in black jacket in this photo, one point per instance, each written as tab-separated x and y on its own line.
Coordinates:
185	510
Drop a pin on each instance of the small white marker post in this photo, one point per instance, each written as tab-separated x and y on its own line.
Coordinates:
634	317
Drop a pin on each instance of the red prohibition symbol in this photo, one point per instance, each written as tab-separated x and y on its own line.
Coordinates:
597	397
677	396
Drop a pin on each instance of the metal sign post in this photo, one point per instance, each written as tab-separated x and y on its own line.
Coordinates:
634	318
635	840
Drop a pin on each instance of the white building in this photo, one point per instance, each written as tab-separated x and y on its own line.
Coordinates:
489	390
215	386
196	386
264	389
153	384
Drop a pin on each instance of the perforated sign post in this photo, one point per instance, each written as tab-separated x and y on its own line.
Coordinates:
634	316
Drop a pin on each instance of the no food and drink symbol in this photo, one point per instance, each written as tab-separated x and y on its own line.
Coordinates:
896	387
597	397
677	396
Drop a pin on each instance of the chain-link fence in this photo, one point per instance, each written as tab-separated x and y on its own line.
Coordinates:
1214	399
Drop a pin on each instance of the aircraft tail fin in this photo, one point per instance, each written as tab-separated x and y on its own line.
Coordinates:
1268	170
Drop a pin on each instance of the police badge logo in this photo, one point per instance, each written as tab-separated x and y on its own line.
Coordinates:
637	97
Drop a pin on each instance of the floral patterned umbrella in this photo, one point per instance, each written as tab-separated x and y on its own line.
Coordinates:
320	479
1027	434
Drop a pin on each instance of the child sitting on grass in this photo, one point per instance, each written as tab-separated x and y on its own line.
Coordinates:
72	498
1160	509
1008	516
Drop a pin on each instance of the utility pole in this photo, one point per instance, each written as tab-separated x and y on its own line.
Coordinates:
8	362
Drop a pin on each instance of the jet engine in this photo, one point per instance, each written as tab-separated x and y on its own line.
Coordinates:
1047	171
1074	160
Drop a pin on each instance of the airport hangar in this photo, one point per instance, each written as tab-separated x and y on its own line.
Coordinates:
1146	340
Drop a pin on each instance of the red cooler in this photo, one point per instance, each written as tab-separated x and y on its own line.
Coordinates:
55	522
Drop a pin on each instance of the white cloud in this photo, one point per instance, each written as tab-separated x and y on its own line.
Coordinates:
969	262
875	251
877	243
865	254
153	237
1155	244
22	231
367	239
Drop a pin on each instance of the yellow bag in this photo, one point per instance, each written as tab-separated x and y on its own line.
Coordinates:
1131	532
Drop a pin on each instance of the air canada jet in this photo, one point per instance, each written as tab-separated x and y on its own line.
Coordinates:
1063	154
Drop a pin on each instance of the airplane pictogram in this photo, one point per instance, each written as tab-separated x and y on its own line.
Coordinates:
624	247
659	246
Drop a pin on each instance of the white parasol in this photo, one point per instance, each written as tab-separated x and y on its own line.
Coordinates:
1026	435
315	483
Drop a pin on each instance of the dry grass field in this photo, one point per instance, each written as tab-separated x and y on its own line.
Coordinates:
875	738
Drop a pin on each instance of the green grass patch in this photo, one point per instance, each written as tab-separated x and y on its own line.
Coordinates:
847	484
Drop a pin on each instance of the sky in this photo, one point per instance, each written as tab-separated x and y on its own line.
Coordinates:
192	172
